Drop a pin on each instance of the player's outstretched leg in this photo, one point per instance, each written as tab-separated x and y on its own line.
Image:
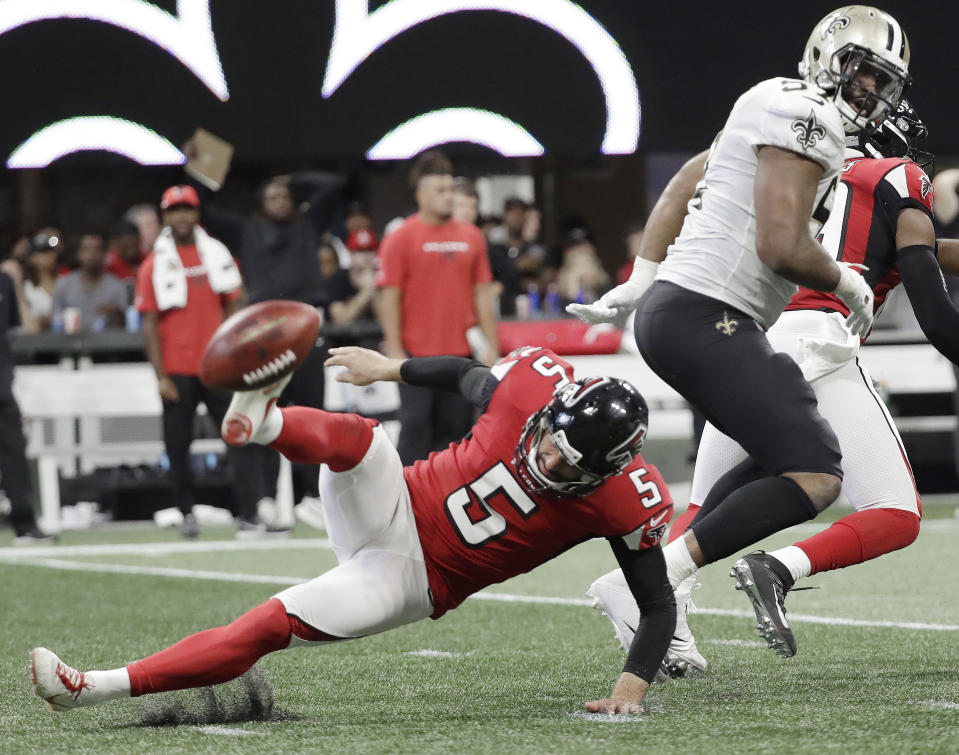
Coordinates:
253	416
210	657
303	435
768	577
766	582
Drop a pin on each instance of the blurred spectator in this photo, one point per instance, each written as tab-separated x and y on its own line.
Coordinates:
434	281
634	237
329	261
14	472
124	256
39	280
518	259
357	218
278	253
352	291
465	201
519	235
89	299
145	218
581	276
185	288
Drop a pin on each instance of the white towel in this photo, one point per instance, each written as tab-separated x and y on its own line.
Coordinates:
169	277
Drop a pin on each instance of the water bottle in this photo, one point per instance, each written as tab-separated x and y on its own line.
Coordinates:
132	317
532	293
552	300
164	462
211	460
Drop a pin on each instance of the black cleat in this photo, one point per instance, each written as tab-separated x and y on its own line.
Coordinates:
756	575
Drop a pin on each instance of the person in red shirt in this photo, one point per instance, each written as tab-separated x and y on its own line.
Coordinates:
435	285
185	288
552	461
124	257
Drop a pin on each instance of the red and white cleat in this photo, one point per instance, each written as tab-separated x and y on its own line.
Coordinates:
246	416
61	686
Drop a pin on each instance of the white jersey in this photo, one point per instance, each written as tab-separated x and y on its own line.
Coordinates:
715	254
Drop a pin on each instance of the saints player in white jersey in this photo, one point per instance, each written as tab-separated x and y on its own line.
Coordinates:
739	223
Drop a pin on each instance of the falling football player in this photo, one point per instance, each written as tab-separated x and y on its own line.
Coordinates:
552	461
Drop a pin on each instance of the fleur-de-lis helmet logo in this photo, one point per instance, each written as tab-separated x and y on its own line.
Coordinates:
808	131
837	21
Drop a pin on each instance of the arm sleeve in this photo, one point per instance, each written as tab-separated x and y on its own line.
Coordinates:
926	288
455	374
320	192
645	573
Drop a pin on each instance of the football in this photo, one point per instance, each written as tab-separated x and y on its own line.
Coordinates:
259	344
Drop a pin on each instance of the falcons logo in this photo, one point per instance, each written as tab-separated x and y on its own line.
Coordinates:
925	186
808	131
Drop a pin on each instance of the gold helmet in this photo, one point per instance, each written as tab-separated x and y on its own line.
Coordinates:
860	55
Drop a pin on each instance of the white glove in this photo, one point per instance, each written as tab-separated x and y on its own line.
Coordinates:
857	295
616	304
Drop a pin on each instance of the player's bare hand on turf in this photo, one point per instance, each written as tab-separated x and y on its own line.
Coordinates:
363	366
613	705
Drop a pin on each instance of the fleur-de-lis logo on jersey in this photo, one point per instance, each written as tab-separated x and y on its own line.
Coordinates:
839	20
727	326
925	186
808	131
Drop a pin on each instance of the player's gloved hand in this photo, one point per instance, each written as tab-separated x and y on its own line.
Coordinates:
857	295
616	305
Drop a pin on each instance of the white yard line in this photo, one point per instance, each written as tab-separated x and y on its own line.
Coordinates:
160	549
229	731
285	581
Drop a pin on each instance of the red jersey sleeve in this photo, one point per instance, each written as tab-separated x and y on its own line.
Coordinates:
144	297
392	259
920	187
906	185
637	505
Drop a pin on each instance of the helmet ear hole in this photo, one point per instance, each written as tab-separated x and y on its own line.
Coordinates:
815	53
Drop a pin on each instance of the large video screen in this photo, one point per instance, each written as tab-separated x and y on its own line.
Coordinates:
385	79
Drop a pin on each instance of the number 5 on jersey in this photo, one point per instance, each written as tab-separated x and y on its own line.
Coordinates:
475	532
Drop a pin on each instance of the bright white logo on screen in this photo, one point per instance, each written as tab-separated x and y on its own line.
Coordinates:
187	36
358	33
456	125
99	132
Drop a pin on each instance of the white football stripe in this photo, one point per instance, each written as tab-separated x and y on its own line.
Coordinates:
159	571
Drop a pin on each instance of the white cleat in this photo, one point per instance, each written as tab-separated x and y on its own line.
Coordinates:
612	596
683	657
61	686
248	409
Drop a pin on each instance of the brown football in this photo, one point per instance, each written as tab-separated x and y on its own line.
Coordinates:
259	344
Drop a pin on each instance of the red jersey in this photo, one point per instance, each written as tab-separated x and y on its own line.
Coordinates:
121	268
478	525
862	225
184	332
436	267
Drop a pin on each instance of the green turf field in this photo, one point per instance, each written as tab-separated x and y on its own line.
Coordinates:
501	676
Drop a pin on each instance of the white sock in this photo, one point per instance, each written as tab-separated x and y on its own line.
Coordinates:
679	564
272	425
794	559
106	685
